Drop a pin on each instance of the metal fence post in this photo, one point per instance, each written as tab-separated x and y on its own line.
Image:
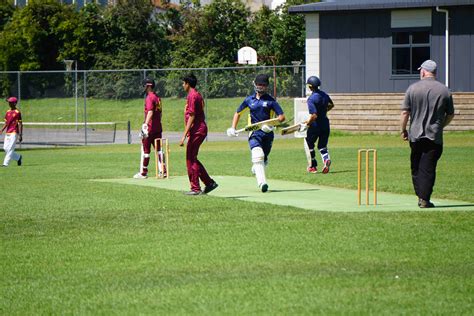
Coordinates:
85	107
19	86
205	94
75	94
303	84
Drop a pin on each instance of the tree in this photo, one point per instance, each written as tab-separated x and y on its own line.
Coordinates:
278	33
6	12
30	40
133	38
212	35
83	36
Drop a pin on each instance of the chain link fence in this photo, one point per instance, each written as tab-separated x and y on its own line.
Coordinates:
99	96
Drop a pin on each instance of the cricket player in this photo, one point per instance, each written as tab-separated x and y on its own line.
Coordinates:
195	131
261	107
151	127
318	129
14	130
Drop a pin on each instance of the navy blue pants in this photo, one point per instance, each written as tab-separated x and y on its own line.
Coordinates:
317	133
424	159
261	139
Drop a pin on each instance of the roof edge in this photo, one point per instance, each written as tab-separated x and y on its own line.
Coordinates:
335	5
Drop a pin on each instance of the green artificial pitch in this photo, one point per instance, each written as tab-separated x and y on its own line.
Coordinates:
301	195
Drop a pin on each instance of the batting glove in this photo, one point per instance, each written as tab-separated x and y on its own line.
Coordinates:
144	130
267	128
231	132
303	127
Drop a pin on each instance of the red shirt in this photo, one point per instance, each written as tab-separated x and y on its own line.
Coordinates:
195	105
12	117
153	103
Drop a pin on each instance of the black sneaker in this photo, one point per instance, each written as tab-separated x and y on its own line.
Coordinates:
264	187
19	160
193	193
425	204
210	187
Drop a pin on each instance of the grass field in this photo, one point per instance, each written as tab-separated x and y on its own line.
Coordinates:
219	111
75	246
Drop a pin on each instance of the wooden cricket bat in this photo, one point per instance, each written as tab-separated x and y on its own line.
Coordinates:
290	129
258	125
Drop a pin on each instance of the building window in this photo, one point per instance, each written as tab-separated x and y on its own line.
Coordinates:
409	49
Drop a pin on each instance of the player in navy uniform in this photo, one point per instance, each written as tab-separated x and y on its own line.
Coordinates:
262	107
318	129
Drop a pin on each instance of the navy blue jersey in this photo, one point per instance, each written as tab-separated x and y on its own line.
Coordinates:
318	104
261	109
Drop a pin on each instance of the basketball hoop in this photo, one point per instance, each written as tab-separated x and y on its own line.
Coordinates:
296	66
69	64
247	56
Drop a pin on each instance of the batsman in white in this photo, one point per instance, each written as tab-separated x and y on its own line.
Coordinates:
319	103
14	131
262	107
151	128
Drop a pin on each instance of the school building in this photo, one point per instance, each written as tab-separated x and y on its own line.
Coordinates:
367	53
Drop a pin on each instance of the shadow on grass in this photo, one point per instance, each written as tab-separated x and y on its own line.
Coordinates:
455	205
300	190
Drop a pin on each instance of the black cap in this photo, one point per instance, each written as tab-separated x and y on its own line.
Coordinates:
262	79
149	82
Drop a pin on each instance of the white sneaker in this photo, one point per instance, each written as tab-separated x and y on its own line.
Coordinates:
139	176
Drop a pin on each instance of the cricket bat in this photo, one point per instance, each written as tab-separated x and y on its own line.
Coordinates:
258	125
290	129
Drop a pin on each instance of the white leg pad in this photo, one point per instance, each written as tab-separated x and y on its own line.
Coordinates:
142	157
307	152
258	165
160	161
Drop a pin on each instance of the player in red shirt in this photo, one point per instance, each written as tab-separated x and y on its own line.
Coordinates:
151	128
196	131
14	131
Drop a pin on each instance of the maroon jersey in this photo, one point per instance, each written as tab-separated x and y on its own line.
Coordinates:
153	103
195	105
12	117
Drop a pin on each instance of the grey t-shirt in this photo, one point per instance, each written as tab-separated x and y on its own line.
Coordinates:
428	102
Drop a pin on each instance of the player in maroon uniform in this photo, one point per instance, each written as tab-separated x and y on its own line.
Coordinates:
151	128
14	130
196	131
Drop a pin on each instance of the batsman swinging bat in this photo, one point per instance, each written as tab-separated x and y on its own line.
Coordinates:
290	129
258	125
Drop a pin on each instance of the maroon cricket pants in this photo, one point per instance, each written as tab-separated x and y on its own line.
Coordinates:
195	168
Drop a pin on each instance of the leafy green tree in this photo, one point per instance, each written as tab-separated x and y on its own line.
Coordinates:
279	34
212	35
30	40
6	12
133	38
83	36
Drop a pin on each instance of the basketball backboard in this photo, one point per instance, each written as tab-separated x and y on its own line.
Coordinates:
247	56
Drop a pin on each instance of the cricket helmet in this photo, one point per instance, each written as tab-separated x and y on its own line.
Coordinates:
12	100
261	83
262	79
314	82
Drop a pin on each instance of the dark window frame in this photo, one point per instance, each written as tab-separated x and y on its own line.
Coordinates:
410	46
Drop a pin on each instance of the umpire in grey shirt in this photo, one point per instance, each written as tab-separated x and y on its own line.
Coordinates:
429	106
